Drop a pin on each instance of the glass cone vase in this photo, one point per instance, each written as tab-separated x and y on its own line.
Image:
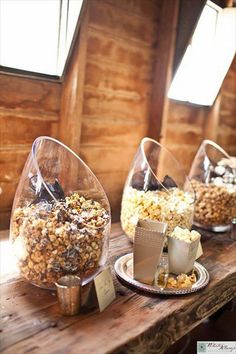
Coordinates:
213	176
60	222
156	188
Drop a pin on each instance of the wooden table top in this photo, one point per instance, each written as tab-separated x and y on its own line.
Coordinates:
134	323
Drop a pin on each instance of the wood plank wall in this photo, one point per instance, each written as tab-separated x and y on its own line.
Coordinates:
226	132
183	131
121	47
114	112
28	108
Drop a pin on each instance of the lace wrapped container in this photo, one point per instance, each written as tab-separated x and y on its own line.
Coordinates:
213	176
60	222
156	188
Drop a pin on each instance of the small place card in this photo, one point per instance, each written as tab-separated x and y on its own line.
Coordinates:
102	291
105	289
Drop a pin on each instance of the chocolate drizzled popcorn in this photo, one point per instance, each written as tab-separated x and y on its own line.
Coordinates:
52	239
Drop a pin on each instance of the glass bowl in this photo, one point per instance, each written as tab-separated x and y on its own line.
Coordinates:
213	176
60	222
156	188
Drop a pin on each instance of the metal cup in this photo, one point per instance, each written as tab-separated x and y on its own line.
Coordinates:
69	294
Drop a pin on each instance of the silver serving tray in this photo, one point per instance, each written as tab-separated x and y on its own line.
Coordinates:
124	271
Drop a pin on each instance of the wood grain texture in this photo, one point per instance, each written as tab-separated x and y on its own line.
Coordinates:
134	323
101	132
122	23
28	108
226	130
12	162
212	120
184	153
18	92
183	134
163	69
23	135
147	8
5	215
108	77
7	194
108	158
180	113
36	114
107	104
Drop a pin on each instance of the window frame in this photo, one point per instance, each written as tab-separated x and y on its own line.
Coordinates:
48	77
217	7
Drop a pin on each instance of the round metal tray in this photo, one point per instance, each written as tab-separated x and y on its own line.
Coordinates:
124	270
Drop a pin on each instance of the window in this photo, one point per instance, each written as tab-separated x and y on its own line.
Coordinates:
36	35
207	58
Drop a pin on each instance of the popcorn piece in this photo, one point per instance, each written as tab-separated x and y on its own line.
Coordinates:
181	281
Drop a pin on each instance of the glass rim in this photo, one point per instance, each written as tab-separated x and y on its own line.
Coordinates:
147	139
206	142
59	282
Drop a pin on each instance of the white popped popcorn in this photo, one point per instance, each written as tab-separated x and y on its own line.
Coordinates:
173	206
185	234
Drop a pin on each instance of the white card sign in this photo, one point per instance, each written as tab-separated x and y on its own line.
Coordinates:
101	292
105	289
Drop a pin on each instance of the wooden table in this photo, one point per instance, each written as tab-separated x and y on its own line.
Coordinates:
135	323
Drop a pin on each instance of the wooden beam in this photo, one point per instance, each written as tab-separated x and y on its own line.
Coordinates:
72	88
163	65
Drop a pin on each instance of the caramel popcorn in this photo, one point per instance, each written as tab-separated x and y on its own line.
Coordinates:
177	282
173	206
52	239
181	281
215	205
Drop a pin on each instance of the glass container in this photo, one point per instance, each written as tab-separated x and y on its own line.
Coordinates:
60	222
156	188
213	176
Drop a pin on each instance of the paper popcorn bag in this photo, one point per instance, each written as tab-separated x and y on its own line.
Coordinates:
148	245
182	254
